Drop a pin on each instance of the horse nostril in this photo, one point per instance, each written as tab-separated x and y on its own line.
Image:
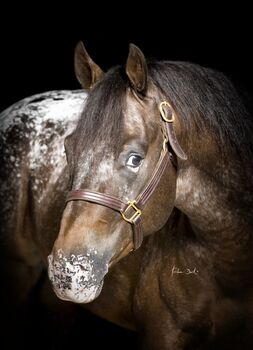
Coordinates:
83	268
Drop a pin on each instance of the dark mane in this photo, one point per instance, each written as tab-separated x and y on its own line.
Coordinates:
102	116
204	99
207	100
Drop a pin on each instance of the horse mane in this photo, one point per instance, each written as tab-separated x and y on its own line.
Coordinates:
203	98
102	116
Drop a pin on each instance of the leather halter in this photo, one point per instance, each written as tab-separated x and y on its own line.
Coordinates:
132	210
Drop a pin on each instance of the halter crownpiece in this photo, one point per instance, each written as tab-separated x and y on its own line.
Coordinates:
168	116
132	210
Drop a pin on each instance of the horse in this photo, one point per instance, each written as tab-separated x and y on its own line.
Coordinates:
147	219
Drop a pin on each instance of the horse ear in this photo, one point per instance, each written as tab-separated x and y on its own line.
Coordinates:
87	72
136	69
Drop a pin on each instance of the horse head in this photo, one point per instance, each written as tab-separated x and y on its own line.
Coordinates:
122	158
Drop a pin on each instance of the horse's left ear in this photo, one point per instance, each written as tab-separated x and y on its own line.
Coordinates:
136	69
87	71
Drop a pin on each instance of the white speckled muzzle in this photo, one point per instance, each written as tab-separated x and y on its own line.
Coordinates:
76	278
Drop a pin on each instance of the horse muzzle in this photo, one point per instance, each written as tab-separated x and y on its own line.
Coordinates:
77	278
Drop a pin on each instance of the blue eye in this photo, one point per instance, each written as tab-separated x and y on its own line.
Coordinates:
134	161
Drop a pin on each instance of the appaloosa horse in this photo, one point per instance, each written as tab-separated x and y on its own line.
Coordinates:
155	203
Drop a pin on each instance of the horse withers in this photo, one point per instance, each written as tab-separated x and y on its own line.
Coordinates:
153	206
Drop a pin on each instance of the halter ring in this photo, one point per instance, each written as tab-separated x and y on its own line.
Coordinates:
161	108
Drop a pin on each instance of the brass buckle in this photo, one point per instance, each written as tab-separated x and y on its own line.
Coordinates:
161	108
165	141
131	204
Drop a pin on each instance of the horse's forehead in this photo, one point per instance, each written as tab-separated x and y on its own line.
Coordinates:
137	115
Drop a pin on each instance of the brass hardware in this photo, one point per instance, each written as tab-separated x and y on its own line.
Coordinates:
161	108
165	141
131	204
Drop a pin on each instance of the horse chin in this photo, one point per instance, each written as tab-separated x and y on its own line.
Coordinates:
84	296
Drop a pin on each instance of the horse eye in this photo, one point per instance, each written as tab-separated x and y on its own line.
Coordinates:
134	161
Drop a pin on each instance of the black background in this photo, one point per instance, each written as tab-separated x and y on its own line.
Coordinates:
37	46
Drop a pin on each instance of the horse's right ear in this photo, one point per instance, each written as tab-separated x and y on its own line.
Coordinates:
87	72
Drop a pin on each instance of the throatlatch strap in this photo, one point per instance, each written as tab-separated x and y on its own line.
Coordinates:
174	142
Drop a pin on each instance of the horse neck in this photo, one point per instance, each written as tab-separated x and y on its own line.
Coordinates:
220	216
215	196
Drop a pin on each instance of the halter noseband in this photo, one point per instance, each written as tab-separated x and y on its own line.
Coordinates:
132	210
